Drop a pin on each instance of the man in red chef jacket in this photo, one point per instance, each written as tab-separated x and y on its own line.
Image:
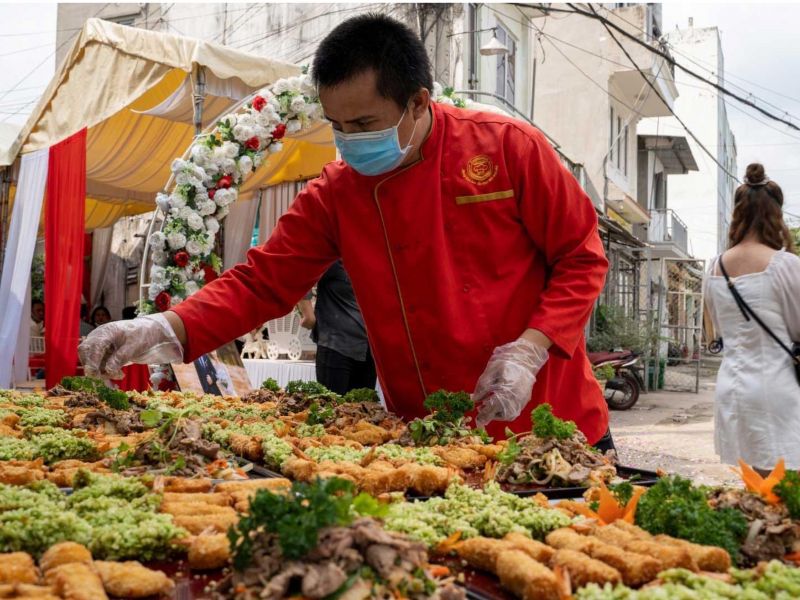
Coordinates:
473	252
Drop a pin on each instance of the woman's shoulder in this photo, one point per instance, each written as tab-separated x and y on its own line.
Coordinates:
788	261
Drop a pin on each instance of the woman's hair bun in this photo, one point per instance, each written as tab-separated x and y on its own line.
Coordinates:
755	173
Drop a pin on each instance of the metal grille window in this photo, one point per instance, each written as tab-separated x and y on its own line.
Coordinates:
618	155
506	66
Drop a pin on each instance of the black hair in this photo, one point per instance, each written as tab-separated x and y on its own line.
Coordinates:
129	312
36	301
379	43
96	310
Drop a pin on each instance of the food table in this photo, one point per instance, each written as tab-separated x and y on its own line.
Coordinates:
282	371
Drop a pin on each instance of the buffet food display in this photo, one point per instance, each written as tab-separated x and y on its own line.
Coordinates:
300	493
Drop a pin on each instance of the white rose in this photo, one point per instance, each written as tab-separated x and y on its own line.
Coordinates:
243	133
230	150
162	201
191	288
228	166
224	197
230	119
174	213
178	165
245	165
154	290
195	221
186	212
194	248
307	87
176	240
298	104
313	111
437	89
158	274
247	119
212	168
295	83
212	225
207	207
275	147
160	257
257	160
293	126
158	240
176	299
199	276
222	212
279	87
176	200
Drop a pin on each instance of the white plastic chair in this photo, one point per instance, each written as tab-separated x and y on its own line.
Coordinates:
37	345
283	338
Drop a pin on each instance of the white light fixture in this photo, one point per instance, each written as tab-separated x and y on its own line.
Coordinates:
494	46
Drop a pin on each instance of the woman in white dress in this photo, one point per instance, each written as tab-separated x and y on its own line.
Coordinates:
757	408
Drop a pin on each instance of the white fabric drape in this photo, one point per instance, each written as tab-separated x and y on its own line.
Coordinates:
22	351
275	201
101	248
14	306
238	232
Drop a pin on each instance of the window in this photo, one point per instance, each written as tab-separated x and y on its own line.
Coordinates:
618	141
506	66
129	20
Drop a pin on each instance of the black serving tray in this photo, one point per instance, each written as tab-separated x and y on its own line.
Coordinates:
640	476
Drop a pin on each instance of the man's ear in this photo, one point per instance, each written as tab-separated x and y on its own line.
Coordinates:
420	102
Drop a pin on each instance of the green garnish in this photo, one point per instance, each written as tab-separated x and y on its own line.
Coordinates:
318	415
547	425
446	421
448	406
788	490
271	385
295	518
114	398
509	454
361	395
309	388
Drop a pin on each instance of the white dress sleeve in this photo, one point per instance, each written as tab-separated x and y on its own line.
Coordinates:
787	279
709	302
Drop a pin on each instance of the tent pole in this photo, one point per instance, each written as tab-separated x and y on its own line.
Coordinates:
198	97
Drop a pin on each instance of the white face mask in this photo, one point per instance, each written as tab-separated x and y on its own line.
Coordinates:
373	152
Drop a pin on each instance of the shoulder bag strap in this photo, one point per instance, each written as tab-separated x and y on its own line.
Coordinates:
745	308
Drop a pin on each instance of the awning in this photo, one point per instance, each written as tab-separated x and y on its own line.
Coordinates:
617	233
673	151
132	89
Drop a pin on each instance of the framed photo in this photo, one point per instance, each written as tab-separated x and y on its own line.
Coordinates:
220	373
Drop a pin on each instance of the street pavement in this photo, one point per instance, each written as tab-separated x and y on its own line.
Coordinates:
674	432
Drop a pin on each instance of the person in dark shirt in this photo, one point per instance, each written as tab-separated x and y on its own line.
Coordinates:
344	360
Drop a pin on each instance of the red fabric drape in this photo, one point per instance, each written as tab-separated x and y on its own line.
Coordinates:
63	247
137	378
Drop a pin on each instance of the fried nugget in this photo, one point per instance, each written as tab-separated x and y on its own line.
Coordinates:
567	539
18	567
612	535
584	570
379	481
536	550
184	484
708	558
10	420
275	484
525	577
209	551
176	509
634	530
461	458
27	590
367	434
427	480
132	580
65	553
488	450
76	581
19	475
670	557
481	552
196	524
299	469
215	498
247	446
636	569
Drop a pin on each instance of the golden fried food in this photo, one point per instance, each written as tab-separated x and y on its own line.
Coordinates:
216	498
64	553
481	552
525	577
197	524
209	551
183	484
177	508
461	458
670	557
378	481
427	480
275	484
612	535
132	580
636	569
708	558
18	567
299	469
634	530
14	472
8	431
536	550
10	420
567	539
367	434
584	570
247	446
27	590
76	581
490	451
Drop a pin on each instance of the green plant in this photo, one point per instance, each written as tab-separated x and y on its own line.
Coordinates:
795	231
615	329
361	395
604	372
114	398
547	425
271	385
446	421
37	278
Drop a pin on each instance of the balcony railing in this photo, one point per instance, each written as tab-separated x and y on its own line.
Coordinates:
666	227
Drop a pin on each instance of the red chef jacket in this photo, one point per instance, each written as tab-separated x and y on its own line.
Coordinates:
483	237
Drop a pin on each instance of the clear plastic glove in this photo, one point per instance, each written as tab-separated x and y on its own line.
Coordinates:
144	340
506	384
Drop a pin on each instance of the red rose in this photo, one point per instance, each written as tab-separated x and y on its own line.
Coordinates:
211	193
252	143
209	273
163	301
182	258
279	132
225	181
259	102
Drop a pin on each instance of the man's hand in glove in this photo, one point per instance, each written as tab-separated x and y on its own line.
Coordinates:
145	340
506	384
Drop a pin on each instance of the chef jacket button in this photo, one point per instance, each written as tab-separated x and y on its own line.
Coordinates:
466	289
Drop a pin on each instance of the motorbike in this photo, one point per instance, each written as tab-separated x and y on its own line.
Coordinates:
622	391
